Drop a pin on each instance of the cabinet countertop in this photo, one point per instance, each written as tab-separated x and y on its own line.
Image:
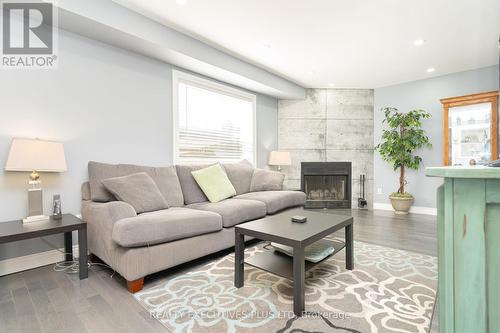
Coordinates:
478	171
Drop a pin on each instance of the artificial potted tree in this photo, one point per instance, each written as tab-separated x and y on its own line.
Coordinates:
400	140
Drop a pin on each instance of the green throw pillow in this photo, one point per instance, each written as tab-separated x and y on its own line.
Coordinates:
214	182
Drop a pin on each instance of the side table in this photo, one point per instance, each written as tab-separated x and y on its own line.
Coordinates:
17	230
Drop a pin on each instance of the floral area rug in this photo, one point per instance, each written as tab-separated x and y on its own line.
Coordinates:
389	290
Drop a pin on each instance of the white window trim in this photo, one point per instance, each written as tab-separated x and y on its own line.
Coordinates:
179	76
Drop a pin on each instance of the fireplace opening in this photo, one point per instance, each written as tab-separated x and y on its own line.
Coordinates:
326	187
326	184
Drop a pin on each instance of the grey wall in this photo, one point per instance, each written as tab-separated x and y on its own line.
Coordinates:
424	94
329	125
267	128
105	104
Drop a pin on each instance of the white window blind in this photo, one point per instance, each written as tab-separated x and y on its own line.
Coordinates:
214	123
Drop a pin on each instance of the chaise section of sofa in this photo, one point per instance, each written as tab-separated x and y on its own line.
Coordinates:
106	223
137	245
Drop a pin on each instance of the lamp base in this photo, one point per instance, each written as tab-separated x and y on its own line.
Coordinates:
35	218
35	205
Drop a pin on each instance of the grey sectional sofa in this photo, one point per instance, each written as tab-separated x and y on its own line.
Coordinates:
136	245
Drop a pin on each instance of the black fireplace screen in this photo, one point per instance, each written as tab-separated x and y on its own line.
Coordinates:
326	184
325	188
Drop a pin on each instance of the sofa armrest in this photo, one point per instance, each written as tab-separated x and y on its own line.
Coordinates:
106	212
100	218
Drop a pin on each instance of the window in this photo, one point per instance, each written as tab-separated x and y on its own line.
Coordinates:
212	122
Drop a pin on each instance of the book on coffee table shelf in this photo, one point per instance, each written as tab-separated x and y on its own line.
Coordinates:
313	253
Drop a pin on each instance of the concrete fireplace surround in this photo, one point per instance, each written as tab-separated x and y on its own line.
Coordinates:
330	125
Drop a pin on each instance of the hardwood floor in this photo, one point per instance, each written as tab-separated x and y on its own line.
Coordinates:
42	300
411	232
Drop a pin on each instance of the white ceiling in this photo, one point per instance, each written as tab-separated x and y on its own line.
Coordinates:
345	44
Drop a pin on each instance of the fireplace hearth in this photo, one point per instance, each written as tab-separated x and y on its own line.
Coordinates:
326	184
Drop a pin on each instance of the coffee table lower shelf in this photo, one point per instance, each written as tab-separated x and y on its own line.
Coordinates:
281	264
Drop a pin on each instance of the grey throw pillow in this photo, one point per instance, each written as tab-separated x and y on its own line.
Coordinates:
139	190
240	174
164	177
266	180
190	189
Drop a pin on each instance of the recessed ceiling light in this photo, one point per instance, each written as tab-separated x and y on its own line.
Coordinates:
181	2
430	70
310	72
331	84
419	42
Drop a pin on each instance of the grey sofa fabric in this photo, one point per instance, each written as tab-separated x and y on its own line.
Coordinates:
240	174
164	226
191	191
100	218
234	211
276	200
165	178
266	180
85	191
136	262
139	190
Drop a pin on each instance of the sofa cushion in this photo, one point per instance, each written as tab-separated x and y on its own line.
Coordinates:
164	226
234	211
190	189
266	180
214	183
165	178
139	190
240	174
276	200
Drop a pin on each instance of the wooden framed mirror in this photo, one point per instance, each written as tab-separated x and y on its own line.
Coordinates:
471	129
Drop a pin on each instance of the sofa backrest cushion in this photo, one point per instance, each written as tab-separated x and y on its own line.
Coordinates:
240	174
138	190
164	177
267	180
190	189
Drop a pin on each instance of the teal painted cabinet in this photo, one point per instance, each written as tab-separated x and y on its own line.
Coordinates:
469	249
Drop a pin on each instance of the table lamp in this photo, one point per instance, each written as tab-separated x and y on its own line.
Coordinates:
279	158
33	155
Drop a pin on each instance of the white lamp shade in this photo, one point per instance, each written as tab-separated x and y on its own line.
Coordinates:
279	158
36	155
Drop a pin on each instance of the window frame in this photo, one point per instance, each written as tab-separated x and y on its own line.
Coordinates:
207	84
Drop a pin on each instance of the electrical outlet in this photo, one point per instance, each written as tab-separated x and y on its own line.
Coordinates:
379	190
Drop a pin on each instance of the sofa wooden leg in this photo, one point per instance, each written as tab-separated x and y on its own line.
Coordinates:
136	285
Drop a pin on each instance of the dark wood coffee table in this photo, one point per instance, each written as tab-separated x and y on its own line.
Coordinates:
279	228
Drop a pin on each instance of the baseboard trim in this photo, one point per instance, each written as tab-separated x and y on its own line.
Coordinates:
35	260
413	209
